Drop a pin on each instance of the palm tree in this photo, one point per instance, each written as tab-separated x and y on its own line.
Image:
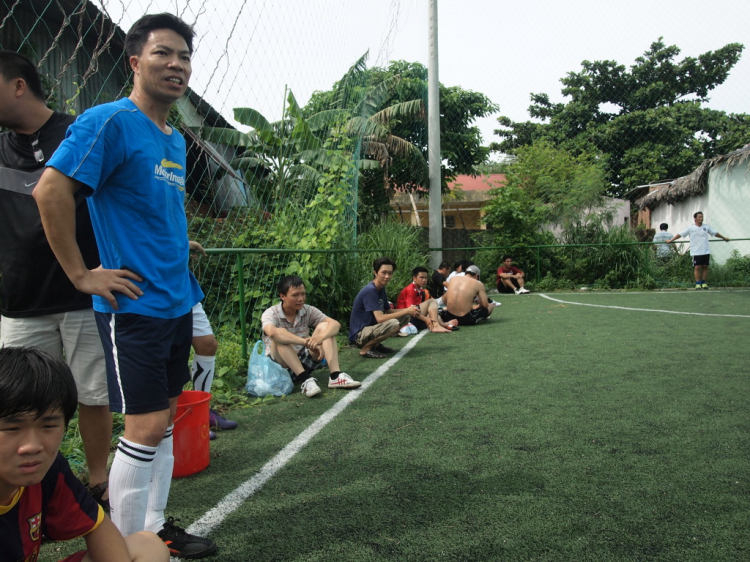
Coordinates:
285	159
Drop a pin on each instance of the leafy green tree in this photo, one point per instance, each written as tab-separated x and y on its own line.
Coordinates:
402	85
648	122
285	159
544	186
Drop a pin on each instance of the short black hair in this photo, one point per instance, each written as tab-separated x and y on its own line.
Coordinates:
289	282
34	382
419	269
444	265
507	256
465	264
663	226
15	65
457	264
695	215
138	34
380	262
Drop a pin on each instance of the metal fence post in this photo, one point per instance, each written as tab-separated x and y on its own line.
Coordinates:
243	320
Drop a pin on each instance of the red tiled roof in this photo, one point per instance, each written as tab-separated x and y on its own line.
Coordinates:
479	183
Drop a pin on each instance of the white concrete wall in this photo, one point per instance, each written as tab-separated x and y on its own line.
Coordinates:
725	206
620	215
729	198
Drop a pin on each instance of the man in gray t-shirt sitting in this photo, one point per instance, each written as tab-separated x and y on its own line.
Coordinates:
663	251
287	335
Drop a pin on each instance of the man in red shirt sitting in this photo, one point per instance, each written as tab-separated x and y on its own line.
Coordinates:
416	294
509	278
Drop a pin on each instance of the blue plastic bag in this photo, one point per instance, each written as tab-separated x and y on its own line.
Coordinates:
265	376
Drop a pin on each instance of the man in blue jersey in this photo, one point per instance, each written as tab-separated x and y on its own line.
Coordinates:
130	163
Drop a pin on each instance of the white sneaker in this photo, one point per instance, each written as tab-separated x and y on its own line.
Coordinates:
343	381
518	291
310	388
496	303
523	291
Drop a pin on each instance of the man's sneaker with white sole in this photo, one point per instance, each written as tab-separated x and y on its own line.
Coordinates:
310	388
343	381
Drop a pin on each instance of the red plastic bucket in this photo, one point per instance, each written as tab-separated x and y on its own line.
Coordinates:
191	452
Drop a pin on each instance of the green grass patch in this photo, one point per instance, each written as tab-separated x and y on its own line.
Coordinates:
554	432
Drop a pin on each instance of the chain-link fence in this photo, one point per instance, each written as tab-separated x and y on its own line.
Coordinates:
304	133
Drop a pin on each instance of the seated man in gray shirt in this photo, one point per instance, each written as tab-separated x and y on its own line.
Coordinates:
286	333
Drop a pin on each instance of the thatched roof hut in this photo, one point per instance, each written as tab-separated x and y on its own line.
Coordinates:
694	183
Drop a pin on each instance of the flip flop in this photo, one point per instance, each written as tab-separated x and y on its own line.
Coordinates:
452	328
383	349
373	355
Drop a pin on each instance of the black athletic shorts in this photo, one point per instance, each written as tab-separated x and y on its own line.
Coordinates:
701	260
475	316
147	359
503	288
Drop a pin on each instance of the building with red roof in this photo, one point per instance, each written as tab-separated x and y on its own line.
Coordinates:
462	205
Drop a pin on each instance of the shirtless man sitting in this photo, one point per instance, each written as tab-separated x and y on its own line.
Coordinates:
459	299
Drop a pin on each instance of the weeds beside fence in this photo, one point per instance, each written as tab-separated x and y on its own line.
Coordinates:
622	265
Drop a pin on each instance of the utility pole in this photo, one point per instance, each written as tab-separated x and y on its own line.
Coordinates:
433	139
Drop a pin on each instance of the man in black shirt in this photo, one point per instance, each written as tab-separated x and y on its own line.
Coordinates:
438	281
39	305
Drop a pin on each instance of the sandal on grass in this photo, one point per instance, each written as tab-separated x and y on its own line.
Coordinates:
383	349
98	491
373	355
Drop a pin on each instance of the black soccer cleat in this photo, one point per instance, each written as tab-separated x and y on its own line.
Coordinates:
185	545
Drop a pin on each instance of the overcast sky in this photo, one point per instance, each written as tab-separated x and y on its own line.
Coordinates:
248	50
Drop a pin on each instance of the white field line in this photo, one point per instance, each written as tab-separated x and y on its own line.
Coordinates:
643	309
660	292
214	517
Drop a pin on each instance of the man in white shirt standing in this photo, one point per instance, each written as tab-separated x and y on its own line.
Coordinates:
699	249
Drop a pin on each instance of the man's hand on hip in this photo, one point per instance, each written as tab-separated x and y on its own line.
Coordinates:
106	282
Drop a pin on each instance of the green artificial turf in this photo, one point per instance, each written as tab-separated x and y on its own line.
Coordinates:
552	432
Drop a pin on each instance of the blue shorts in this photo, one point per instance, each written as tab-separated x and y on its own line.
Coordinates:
147	359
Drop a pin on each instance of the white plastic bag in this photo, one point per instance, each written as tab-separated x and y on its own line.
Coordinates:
265	376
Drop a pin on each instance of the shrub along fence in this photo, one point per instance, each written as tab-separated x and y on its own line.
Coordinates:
248	284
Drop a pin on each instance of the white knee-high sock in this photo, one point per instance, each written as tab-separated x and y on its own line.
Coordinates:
203	372
129	480
161	481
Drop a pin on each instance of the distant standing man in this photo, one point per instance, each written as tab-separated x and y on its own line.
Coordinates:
288	341
130	163
373	320
39	305
463	290
509	278
699	249
660	238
